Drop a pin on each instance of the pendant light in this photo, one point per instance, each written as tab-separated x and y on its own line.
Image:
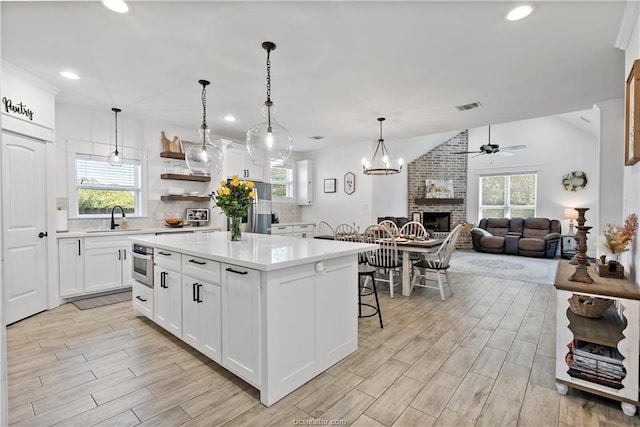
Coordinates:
268	142
115	158
381	163
204	158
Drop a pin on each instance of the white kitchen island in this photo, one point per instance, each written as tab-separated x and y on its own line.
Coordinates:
274	310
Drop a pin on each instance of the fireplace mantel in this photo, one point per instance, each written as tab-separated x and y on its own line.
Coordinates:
425	201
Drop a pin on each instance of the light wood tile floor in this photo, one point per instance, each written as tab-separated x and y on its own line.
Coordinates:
483	357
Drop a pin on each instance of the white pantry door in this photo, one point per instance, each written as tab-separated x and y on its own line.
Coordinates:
24	219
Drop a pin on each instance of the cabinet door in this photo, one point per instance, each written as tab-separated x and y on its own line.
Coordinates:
70	267
254	172
102	268
235	163
202	317
127	280
304	182
168	300
241	322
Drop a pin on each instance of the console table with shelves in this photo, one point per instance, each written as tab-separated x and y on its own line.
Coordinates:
617	329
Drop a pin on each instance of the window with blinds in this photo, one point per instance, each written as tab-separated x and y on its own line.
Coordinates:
100	186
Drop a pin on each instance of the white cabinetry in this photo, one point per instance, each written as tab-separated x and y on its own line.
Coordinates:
167	286
238	162
202	306
142	298
304	231
107	265
304	182
241	322
70	267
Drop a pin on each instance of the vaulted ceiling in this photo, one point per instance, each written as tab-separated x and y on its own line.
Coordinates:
337	66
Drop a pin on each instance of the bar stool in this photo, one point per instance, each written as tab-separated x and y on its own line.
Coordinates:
364	271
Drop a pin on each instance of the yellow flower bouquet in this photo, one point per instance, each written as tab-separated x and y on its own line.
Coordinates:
234	198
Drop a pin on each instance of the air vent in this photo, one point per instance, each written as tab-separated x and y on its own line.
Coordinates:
466	107
316	137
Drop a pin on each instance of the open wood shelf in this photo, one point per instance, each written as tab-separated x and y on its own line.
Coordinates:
172	155
425	201
182	177
185	198
606	330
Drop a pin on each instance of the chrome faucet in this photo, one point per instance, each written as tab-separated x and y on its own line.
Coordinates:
113	222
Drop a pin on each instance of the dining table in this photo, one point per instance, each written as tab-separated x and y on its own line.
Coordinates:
406	246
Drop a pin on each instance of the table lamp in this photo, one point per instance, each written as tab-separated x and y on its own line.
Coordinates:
570	214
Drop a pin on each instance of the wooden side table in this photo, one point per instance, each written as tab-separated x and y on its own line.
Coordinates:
616	329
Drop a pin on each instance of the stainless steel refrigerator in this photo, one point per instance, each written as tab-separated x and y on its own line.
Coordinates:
258	219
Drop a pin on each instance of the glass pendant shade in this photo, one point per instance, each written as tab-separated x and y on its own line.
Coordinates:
268	142
115	158
381	162
205	158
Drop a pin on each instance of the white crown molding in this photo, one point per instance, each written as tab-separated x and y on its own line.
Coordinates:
629	20
29	78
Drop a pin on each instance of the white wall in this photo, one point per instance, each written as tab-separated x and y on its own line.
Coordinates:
375	195
554	148
631	174
83	130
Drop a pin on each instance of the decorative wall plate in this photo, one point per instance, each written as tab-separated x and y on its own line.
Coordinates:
574	181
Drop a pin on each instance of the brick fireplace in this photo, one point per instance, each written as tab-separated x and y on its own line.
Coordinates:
440	163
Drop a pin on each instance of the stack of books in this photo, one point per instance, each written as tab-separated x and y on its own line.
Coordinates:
596	363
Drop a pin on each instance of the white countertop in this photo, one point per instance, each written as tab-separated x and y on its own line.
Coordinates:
258	251
132	231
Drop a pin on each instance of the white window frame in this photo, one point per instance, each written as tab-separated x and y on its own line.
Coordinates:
289	183
507	205
140	188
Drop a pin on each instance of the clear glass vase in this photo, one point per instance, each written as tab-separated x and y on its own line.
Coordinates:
235	233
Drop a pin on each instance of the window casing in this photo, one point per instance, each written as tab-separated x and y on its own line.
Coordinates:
508	196
99	186
282	183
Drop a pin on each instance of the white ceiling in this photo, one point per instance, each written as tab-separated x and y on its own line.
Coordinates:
337	66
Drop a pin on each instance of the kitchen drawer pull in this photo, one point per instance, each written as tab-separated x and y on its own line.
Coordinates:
79	250
236	271
199	287
164	253
197	262
195	298
140	298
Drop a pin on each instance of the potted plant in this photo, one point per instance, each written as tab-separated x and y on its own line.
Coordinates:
617	238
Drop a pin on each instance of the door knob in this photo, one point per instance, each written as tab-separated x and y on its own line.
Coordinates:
41	234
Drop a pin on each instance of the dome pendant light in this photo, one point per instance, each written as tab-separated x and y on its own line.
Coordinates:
268	142
381	163
115	158
206	158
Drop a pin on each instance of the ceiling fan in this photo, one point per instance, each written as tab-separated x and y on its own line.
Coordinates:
490	148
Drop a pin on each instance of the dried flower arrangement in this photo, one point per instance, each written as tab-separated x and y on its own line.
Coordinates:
617	238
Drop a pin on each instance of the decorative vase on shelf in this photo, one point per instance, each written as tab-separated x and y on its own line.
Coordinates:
234	229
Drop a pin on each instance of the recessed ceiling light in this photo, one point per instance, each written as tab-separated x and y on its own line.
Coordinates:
116	5
519	12
69	75
229	119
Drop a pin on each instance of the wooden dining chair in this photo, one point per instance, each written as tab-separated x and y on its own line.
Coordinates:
385	258
323	228
390	225
437	263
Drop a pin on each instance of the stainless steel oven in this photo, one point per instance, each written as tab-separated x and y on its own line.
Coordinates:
142	264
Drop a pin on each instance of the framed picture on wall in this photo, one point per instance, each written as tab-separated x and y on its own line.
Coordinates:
330	185
632	116
349	183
